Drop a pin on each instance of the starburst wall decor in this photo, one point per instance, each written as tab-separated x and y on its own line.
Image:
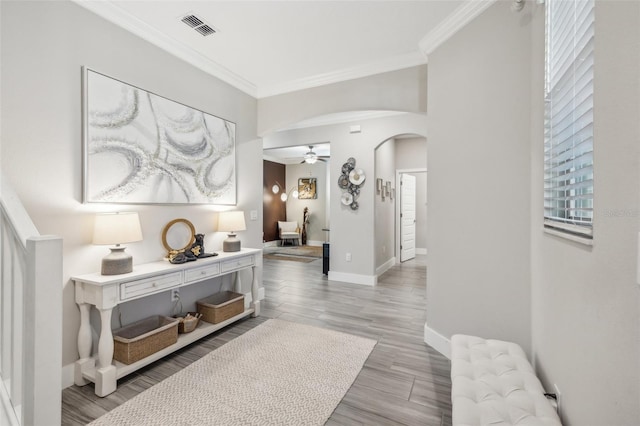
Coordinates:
141	148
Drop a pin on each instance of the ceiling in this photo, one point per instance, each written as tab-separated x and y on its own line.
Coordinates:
270	47
294	154
266	47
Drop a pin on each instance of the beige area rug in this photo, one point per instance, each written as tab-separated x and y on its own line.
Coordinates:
290	258
305	254
279	373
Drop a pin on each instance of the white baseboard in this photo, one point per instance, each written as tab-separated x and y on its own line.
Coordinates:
437	341
345	277
385	266
315	243
273	243
421	251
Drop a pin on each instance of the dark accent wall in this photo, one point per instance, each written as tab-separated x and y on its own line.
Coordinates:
274	209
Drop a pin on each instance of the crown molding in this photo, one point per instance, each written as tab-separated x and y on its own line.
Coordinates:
124	19
390	64
458	19
452	24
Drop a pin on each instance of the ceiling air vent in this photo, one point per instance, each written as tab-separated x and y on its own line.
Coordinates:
198	24
205	30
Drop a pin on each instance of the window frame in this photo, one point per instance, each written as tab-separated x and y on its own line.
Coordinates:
568	140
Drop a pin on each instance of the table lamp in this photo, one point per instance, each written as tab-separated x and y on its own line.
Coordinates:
117	228
231	222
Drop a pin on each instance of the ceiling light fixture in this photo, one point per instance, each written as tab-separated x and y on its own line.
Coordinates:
310	157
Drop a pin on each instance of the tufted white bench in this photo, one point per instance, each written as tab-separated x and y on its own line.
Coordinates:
494	384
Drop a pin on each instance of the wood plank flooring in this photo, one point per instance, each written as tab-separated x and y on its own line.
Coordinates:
404	381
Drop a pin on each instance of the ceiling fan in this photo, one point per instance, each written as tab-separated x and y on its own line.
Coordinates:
311	157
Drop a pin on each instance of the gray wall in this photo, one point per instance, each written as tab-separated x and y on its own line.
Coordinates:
492	271
385	169
478	226
585	300
411	153
402	90
352	231
41	135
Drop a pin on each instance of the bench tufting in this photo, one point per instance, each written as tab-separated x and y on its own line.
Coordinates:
494	384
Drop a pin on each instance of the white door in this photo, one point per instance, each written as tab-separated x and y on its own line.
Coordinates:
407	217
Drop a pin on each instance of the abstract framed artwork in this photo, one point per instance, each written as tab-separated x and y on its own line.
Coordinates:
307	189
142	148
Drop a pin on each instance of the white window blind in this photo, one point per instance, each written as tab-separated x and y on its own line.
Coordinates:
568	123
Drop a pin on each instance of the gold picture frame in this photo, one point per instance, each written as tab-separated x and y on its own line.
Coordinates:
307	188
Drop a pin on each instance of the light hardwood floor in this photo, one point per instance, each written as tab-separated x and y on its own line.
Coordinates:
404	381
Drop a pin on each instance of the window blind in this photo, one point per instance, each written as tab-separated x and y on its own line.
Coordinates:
568	121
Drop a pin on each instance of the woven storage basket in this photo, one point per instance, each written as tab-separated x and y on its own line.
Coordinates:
143	338
187	326
220	306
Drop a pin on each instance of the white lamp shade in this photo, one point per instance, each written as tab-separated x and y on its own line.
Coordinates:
117	228
231	221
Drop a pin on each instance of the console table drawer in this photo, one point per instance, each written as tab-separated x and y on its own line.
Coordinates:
150	285
202	273
230	265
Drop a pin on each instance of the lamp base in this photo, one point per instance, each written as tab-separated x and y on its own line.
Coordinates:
117	262
231	243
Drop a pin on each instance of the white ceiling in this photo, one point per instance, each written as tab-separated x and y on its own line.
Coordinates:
294	154
270	47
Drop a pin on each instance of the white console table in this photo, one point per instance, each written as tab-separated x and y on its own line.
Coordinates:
107	291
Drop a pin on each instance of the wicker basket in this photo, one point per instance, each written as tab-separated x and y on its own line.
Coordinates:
221	306
188	325
143	338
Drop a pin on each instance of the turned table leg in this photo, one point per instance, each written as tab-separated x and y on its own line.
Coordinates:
255	303
84	346
106	379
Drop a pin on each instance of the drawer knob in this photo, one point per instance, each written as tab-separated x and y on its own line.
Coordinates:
203	273
154	284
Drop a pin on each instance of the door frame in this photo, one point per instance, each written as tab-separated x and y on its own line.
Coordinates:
399	172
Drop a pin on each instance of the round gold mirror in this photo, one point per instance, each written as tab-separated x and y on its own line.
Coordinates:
179	234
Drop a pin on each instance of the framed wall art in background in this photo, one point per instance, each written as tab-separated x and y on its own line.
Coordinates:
141	148
307	189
